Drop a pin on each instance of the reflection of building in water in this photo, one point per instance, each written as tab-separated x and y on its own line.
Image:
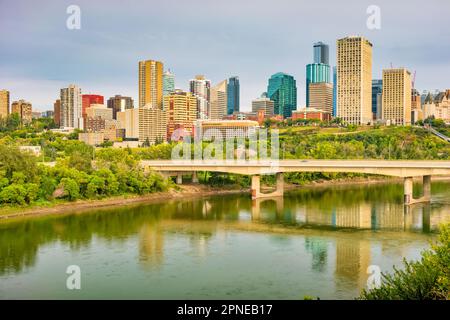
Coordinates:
151	246
357	216
318	248
279	209
388	216
352	261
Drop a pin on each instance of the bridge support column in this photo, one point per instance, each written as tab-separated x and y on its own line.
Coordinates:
194	177
408	190
256	187
179	178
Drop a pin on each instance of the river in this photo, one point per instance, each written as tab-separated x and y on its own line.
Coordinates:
313	242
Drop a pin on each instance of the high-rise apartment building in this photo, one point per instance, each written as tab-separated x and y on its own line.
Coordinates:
218	105
354	78
4	103
152	124
120	103
168	83
321	96
397	96
263	103
201	89
23	109
282	90
151	83
321	53
71	107
377	104
233	92
57	112
181	108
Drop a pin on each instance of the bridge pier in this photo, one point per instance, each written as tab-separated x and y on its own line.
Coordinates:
194	177
179	178
408	190
256	187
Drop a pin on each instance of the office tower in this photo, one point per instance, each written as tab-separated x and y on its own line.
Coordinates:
168	83
316	73
88	99
218	105
201	89
321	53
397	96
415	99
321	96
129	120
152	124
120	103
354	76
4	103
23	109
233	92
263	103
150	83
377	89
181	108
282	90
334	91
57	112
71	107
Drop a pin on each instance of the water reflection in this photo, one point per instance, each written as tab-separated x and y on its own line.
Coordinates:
351	217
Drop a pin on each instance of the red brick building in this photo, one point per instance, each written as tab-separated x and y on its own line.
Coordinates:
311	114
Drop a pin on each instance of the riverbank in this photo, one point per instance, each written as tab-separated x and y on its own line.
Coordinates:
182	192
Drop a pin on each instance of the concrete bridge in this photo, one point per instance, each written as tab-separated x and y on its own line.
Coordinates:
407	169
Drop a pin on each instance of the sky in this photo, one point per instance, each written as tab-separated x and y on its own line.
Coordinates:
252	39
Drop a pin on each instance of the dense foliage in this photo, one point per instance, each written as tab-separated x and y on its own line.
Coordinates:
428	278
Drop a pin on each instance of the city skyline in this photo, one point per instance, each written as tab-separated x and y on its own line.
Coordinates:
102	56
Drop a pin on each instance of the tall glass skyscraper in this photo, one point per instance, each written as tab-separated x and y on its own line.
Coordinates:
282	90
321	53
319	71
168	83
233	95
377	90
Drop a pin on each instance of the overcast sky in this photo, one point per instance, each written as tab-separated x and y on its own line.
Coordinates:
248	38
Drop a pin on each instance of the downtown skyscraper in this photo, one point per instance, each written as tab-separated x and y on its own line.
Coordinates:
218	106
201	89
4	103
319	72
151	83
396	94
233	92
168	83
282	90
354	80
71	107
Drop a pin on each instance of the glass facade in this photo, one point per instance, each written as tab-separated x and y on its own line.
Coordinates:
321	53
316	72
233	95
334	91
377	89
282	90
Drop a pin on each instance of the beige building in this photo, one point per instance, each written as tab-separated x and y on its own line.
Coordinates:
99	111
226	128
4	103
92	138
354	80
265	104
218	105
437	106
151	83
129	120
321	96
396	96
24	110
152	124
181	108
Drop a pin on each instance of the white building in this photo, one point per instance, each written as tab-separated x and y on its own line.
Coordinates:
200	88
71	107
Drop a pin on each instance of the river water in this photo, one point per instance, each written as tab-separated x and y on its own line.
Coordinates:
314	242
